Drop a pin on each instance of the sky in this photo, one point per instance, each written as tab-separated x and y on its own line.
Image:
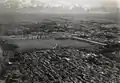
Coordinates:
57	3
69	3
72	2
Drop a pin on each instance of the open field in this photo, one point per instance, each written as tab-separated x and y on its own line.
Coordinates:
42	44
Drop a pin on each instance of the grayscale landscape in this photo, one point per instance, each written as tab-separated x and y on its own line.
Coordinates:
71	41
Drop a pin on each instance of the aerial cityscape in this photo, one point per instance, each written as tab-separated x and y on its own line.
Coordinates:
66	41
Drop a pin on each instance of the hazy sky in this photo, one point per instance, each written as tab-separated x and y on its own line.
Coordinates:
58	2
69	3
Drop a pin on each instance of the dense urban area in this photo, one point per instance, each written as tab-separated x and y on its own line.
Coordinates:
61	63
